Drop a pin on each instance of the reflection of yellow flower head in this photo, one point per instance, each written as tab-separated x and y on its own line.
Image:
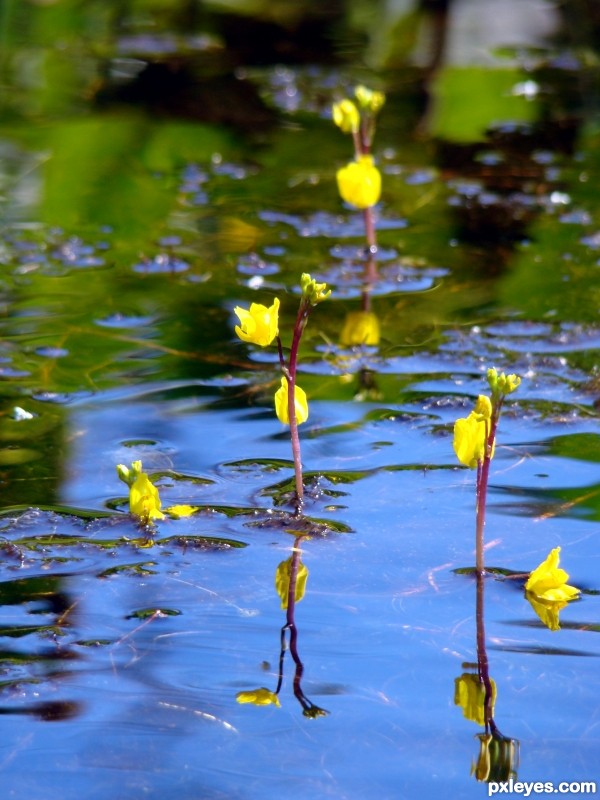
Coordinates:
469	694
346	116
498	758
549	581
281	404
360	327
258	697
258	325
359	182
470	433
282	581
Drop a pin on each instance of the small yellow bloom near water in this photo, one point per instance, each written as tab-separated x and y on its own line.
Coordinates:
470	433
359	182
258	697
549	581
281	404
360	327
469	694
144	500
346	116
259	324
547	590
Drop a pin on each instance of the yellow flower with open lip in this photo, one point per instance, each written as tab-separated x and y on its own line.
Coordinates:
360	327
281	403
259	324
549	581
258	697
470	433
144	500
359	182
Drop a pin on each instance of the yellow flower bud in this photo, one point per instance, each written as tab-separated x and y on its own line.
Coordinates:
314	292
258	325
346	116
281	404
360	327
359	182
502	384
369	100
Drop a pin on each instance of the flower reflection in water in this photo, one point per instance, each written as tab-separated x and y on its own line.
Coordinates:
290	581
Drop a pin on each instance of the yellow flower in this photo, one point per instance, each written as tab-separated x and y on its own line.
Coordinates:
549	581
144	501
258	325
258	697
281	404
469	694
346	116
368	99
359	182
360	327
282	581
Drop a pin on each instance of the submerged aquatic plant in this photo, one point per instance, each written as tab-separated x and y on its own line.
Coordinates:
260	325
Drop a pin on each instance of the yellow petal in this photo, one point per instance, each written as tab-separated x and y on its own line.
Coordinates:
469	440
281	404
258	697
359	182
469	694
547	610
180	511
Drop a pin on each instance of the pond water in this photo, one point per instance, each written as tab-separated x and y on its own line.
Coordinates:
162	165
